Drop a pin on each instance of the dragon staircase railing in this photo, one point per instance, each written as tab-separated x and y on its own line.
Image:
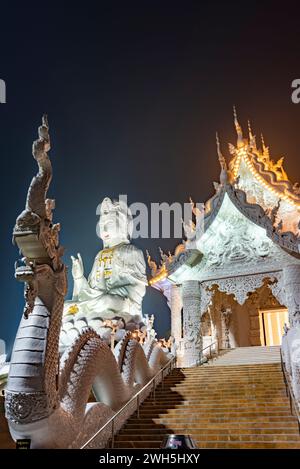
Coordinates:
106	434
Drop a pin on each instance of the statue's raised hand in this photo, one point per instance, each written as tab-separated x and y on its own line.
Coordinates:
77	267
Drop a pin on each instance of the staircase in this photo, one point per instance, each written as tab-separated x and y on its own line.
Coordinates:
236	401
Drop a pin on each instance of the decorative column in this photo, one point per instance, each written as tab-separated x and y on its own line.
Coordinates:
226	316
291	281
191	299
291	343
176	306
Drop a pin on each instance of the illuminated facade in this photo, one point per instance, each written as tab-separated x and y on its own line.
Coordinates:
246	264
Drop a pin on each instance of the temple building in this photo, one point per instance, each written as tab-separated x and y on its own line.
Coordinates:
238	285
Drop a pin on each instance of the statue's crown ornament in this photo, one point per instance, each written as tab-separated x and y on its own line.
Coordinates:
119	207
109	205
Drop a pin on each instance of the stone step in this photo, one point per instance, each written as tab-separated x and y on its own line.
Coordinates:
215	431
218	402
215	372
236	369
174	392
213	417
217	405
212	445
222	425
252	387
294	438
242	420
237	388
217	392
233	375
169	421
186	397
232	379
250	394
221	409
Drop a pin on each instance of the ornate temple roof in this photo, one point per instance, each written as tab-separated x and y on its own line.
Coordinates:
259	188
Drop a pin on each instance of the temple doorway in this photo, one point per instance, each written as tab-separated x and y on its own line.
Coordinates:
257	319
271	323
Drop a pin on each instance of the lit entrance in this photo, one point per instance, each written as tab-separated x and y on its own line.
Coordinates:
271	325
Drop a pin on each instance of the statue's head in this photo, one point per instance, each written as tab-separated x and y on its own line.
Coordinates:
114	223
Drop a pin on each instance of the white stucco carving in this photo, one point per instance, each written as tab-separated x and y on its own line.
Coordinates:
291	279
277	288
241	286
206	293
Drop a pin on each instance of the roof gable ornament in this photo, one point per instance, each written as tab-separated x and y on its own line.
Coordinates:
252	138
222	161
248	159
240	140
151	263
265	149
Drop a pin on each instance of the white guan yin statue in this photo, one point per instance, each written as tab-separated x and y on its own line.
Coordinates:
116	284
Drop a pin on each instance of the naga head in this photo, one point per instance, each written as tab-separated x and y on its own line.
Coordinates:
41	146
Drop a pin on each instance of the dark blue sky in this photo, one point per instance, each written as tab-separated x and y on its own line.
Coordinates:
135	92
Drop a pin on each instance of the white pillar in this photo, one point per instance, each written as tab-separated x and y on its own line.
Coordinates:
291	281
176	306
191	299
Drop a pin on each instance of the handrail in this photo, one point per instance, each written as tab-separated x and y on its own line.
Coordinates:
133	398
289	390
208	346
200	362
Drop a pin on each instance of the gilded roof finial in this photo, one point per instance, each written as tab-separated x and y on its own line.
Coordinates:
151	264
222	160
252	140
198	212
163	256
240	141
264	148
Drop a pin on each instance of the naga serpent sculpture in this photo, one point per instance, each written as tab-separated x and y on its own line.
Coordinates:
46	398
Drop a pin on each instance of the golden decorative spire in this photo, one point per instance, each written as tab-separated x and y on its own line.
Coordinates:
252	140
195	209
151	263
222	160
264	148
238	128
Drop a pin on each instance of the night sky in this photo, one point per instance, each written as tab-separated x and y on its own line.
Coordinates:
134	92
